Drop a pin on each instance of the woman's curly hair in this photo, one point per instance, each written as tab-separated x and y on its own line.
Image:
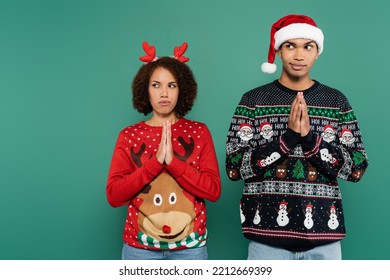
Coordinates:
183	75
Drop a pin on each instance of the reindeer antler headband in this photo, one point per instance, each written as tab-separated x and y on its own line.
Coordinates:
178	53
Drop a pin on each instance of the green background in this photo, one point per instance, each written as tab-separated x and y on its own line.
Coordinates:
65	73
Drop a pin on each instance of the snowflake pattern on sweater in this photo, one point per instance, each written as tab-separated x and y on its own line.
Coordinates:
291	197
166	208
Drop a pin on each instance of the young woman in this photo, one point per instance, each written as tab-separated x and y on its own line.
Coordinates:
163	168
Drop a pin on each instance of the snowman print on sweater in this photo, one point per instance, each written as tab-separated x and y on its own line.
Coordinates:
257	218
242	216
308	222
282	218
333	223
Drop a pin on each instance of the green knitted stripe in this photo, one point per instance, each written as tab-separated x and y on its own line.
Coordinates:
193	240
347	117
285	110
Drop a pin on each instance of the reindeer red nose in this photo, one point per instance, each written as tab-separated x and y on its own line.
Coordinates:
166	229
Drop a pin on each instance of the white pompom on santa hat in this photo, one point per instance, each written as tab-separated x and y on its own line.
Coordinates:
291	27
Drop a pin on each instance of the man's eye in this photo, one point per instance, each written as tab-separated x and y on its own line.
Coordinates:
309	47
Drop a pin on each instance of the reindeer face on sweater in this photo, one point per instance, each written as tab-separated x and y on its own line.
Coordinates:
166	210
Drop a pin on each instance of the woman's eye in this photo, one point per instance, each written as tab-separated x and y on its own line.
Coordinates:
172	85
155	85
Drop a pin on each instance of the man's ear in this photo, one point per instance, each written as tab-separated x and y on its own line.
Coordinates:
279	52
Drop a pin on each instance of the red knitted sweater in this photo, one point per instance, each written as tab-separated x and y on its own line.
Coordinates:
166	209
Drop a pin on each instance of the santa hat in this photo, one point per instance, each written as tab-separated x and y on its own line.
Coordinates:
245	125
328	127
346	131
291	27
264	125
283	203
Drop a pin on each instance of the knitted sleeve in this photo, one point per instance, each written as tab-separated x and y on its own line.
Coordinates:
204	182
125	179
342	155
244	157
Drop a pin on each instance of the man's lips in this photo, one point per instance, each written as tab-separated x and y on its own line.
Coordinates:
297	67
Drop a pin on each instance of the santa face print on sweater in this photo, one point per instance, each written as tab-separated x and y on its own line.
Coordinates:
245	132
266	130
328	135
347	137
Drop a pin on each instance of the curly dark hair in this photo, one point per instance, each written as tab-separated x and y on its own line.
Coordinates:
185	79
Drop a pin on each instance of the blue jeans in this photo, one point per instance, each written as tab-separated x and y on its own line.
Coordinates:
260	251
132	253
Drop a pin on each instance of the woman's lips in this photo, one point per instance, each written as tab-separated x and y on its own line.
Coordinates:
165	103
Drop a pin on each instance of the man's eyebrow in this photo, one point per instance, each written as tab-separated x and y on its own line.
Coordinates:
289	42
311	42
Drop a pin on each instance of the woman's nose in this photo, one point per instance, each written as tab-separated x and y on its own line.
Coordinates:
164	92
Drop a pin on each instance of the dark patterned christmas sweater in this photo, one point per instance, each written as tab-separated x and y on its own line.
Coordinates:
166	207
291	197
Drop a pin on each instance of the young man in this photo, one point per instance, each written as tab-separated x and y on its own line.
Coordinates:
290	140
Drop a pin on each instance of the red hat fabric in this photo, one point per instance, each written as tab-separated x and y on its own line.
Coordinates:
265	124
291	27
328	127
245	125
346	131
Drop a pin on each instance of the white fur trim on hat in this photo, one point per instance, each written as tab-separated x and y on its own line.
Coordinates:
300	30
268	68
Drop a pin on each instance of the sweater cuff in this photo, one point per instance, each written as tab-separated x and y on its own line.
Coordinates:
153	166
308	141
176	168
289	140
310	144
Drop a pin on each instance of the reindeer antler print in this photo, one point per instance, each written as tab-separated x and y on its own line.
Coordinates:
188	147
179	51
137	156
150	52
